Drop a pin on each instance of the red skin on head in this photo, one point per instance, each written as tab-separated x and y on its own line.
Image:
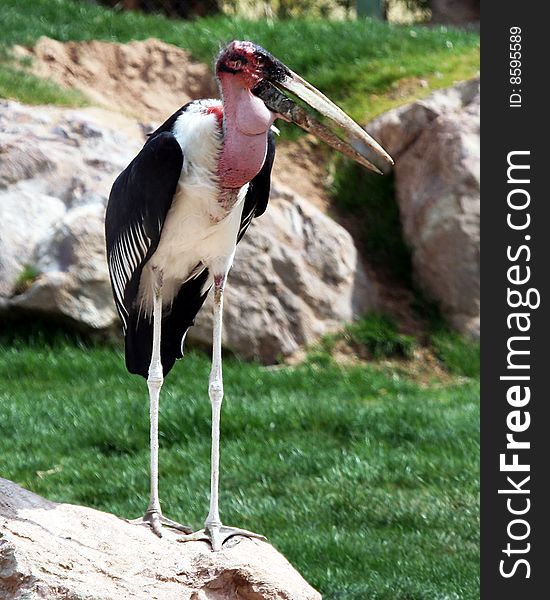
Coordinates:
250	73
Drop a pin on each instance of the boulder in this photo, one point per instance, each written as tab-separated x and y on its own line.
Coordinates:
56	171
296	274
20	231
61	551
435	143
73	284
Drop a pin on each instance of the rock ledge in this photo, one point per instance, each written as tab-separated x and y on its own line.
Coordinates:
68	552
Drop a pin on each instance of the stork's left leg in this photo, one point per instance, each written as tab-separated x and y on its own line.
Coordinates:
214	532
153	516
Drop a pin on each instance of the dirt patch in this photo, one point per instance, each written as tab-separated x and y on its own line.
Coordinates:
407	87
146	79
302	166
423	367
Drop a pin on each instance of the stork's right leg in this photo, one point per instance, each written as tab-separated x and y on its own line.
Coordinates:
153	516
214	532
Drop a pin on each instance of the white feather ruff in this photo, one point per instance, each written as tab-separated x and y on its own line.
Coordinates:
197	230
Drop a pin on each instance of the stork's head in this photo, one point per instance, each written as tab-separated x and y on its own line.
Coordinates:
250	64
253	68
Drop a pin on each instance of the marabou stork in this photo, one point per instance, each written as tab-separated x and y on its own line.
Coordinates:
177	212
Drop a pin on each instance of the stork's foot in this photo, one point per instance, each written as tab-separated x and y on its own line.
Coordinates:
156	520
217	535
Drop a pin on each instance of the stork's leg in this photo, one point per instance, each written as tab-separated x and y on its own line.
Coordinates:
153	516
214	531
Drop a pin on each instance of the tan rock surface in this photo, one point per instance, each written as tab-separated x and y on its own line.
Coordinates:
63	551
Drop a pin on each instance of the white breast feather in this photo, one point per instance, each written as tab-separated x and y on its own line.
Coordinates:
196	229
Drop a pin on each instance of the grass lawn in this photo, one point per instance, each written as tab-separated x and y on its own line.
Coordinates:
366	480
360	64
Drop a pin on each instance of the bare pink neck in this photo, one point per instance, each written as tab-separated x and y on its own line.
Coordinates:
246	123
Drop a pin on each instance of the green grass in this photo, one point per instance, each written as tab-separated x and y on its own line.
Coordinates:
459	355
357	63
16	83
25	279
370	199
374	336
366	481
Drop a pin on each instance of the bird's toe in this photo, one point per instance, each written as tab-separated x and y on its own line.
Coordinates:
155	520
217	535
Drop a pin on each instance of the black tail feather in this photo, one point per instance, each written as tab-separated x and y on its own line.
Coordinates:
175	323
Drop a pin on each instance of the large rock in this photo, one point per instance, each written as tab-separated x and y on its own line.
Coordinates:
61	551
435	143
56	171
296	275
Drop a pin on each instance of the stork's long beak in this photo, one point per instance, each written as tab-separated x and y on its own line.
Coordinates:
372	155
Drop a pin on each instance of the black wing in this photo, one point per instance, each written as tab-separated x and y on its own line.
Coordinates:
257	196
138	204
